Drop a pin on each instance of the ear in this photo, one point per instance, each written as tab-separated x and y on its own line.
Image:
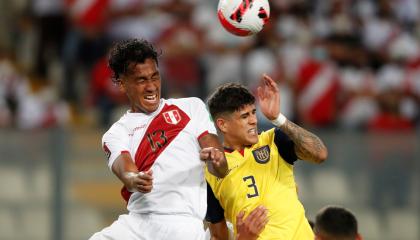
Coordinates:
221	124
359	237
121	86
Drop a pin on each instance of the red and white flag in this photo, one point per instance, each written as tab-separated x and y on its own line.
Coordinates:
317	90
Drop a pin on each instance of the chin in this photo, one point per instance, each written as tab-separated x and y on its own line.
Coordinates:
150	110
252	141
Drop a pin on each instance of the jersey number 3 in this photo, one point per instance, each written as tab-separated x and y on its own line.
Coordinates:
251	184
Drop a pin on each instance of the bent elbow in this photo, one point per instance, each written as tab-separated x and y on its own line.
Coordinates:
322	155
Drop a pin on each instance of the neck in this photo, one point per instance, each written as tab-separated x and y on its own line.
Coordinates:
232	145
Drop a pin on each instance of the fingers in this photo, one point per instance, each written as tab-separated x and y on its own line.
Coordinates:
211	153
144	181
253	224
268	81
267	87
205	153
149	172
257	214
145	175
260	93
258	218
239	217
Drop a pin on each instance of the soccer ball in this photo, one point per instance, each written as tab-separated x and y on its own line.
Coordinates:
243	17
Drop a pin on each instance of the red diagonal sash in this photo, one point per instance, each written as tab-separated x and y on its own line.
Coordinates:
161	132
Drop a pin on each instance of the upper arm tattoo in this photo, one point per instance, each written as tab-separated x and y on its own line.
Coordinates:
307	145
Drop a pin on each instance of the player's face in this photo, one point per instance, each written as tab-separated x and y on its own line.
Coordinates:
142	85
241	127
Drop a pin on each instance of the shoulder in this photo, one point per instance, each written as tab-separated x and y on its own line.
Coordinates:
118	128
185	101
266	137
191	105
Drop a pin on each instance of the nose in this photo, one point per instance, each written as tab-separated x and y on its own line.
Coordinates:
150	86
253	119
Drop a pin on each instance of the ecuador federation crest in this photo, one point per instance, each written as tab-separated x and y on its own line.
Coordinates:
172	117
262	154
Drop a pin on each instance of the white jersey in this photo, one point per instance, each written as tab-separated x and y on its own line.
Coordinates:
167	142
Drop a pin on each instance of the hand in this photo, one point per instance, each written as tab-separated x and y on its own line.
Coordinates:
215	160
141	182
252	226
269	97
212	154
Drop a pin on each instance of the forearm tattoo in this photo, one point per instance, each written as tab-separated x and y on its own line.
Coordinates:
307	145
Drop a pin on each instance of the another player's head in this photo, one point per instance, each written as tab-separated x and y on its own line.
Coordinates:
336	223
233	110
134	64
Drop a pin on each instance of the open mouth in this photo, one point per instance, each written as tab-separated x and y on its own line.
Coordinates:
151	98
253	131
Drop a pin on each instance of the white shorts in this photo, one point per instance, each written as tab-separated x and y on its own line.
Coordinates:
134	226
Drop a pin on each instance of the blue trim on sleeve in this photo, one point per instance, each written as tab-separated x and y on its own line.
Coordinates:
215	212
285	146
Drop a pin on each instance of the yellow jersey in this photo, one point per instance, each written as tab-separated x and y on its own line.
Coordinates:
261	175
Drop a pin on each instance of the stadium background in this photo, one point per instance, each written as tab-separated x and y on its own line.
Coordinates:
348	70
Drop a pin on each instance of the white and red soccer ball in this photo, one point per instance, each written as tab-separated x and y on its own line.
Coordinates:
243	17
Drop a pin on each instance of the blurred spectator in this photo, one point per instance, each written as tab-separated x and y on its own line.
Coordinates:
8	92
182	43
51	25
137	19
104	95
25	104
379	31
327	55
224	52
85	42
359	105
407	11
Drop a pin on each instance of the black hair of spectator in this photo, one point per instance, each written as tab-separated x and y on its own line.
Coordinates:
126	52
336	221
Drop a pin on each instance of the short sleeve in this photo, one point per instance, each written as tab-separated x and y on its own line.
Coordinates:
114	142
215	212
285	145
202	119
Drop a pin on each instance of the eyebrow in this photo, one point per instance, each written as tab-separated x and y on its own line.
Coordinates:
249	112
146	77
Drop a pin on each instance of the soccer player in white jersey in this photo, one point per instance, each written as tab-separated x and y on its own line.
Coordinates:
154	150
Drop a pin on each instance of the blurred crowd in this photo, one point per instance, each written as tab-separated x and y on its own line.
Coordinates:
352	64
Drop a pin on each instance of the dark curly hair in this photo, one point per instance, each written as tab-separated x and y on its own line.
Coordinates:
126	52
228	98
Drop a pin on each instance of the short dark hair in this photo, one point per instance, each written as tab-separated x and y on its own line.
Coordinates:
228	98
126	52
336	221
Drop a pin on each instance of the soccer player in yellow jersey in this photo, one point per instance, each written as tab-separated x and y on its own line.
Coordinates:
260	165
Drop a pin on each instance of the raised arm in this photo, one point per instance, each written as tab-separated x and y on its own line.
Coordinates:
308	146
